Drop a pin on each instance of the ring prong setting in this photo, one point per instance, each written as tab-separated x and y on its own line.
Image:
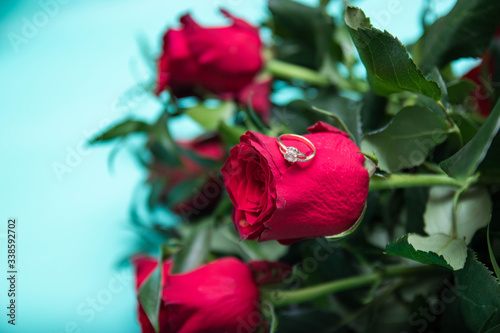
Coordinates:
291	154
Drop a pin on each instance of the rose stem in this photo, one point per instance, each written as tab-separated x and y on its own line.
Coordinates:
285	297
412	180
286	70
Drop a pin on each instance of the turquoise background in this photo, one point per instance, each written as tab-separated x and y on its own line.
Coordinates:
70	78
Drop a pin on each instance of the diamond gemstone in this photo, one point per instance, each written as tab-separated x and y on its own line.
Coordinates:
291	154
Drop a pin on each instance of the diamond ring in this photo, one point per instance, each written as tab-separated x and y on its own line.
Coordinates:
292	154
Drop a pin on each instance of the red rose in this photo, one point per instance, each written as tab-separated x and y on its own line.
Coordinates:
204	197
277	200
218	297
222	60
258	93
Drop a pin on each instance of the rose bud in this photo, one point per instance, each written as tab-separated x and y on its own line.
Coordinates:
205	196
278	200
221	60
219	297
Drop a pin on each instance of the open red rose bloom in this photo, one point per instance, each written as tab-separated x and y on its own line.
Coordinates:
277	200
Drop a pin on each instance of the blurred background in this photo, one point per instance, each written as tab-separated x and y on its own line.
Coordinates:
69	69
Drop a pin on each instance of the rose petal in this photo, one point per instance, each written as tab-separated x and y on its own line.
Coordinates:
211	298
322	197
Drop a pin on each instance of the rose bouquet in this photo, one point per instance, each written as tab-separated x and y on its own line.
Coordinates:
361	205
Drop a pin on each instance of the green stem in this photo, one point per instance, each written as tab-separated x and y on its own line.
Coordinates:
282	298
455	128
433	167
411	180
454	228
288	71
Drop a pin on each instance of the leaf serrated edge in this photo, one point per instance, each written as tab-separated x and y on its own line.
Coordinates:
413	257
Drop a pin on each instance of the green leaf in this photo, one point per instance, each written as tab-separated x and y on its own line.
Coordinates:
304	33
388	65
297	116
337	119
465	162
458	91
473	212
184	191
435	75
155	192
479	295
150	297
150	293
227	241
161	144
210	118
373	112
195	248
406	141
495	329
230	134
452	319
491	163
465	32
122	130
468	128
424	101
344	109
270	251
494	262
436	249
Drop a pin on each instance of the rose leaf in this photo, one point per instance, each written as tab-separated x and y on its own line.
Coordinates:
436	249
210	118
465	162
473	212
195	249
304	33
122	129
388	65
479	295
150	292
465	32
406	141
